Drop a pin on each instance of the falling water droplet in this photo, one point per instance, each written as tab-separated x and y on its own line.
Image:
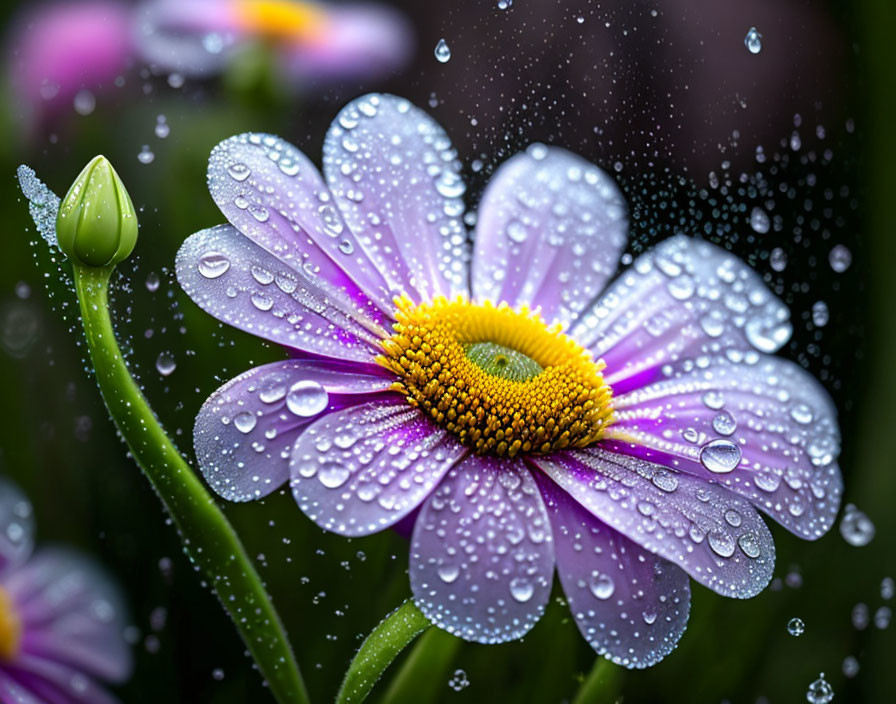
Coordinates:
165	364
777	259
850	666
840	258
819	691
162	129
442	52
152	282
85	102
759	221
504	4
146	156
796	627
820	314
753	41
855	527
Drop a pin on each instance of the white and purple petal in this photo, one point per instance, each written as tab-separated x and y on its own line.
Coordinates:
31	679
550	232
71	613
630	605
245	431
16	526
682	299
241	284
273	194
362	469
482	557
761	426
396	180
713	534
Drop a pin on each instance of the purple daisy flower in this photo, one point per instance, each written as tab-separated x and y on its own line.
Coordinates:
510	402
61	619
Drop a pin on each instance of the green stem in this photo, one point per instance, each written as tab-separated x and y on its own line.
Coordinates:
601	685
379	649
208	538
424	673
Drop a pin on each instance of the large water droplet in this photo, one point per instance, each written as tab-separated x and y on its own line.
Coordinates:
213	264
720	456
796	627
307	398
521	589
165	364
759	220
601	585
855	527
333	475
448	573
820	692
239	171
245	421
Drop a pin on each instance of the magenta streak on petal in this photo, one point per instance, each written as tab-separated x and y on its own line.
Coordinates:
776	419
714	535
364	468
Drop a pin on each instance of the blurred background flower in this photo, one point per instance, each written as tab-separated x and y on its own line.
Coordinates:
699	132
61	618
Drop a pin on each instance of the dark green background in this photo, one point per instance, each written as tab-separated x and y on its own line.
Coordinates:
532	73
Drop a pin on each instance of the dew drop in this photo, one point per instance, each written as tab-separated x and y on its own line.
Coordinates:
307	398
749	543
333	475
521	589
720	456
239	171
213	264
245	421
601	585
448	573
724	423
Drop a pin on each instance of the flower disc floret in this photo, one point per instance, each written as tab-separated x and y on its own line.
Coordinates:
499	379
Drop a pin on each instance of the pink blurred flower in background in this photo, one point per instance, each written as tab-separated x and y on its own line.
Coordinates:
64	55
61	618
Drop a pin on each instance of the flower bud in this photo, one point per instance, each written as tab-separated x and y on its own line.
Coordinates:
96	224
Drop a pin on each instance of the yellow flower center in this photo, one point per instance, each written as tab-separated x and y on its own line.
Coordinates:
501	380
10	627
281	19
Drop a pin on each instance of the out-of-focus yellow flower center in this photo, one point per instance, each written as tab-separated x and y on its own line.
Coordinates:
10	627
501	380
281	19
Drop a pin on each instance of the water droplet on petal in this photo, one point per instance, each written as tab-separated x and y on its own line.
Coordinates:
213	264
720	456
601	585
307	398
521	589
245	421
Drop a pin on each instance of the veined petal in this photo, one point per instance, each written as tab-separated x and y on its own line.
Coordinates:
72	614
714	535
245	431
760	425
396	180
16	526
272	193
550	231
482	558
242	285
682	299
630	605
364	468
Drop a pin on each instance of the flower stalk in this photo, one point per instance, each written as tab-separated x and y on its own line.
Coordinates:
379	649
90	231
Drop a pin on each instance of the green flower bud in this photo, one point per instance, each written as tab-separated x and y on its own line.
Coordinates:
96	224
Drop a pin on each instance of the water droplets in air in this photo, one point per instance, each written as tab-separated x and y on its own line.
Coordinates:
753	41
146	156
442	51
504	4
759	220
165	364
840	258
820	691
855	527
459	681
162	128
796	627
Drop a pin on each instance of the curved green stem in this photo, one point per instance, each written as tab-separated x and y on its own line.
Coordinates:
601	684
379	649
424	673
208	538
